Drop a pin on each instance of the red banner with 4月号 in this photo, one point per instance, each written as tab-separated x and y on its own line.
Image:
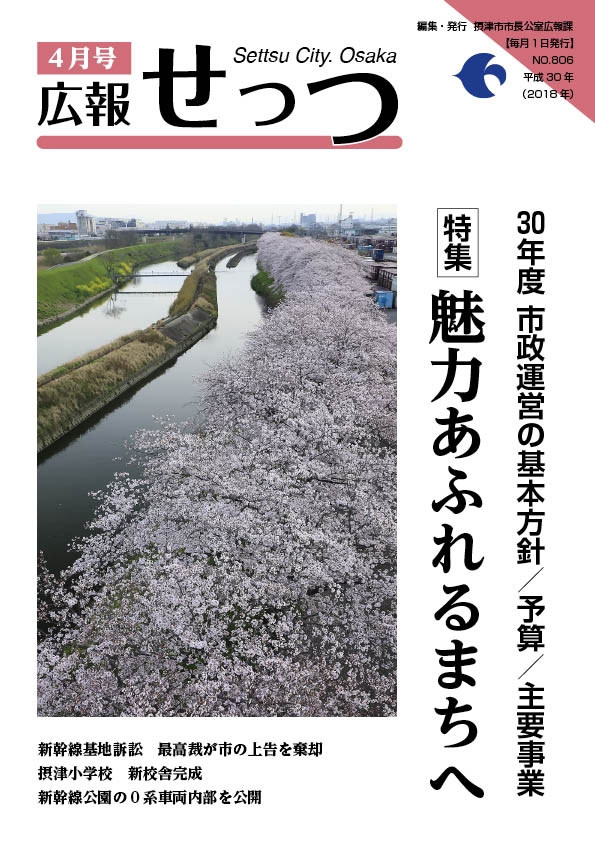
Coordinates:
83	57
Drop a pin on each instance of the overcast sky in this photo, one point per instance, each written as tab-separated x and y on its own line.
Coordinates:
217	213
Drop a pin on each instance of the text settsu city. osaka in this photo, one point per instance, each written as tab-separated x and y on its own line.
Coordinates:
313	55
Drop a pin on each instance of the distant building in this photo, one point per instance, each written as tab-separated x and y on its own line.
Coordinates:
343	227
172	223
307	220
101	228
85	224
65	226
389	229
60	234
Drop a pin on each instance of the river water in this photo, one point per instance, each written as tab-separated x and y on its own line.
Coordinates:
111	316
87	459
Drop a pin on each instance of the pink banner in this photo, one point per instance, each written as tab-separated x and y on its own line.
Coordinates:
84	57
554	38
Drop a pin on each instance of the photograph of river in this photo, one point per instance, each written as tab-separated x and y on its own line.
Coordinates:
217	462
132	307
84	460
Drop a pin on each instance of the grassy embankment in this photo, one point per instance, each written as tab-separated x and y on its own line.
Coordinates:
199	288
63	398
64	288
233	261
264	285
70	393
70	254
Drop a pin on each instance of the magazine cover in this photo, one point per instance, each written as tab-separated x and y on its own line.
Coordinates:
310	550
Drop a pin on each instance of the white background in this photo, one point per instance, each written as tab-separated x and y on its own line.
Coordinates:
502	155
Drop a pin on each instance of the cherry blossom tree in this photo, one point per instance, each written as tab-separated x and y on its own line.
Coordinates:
250	570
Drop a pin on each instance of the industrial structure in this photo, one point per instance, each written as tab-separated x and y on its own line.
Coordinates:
85	224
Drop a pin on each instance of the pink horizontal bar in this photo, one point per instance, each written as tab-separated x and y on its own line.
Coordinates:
209	142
